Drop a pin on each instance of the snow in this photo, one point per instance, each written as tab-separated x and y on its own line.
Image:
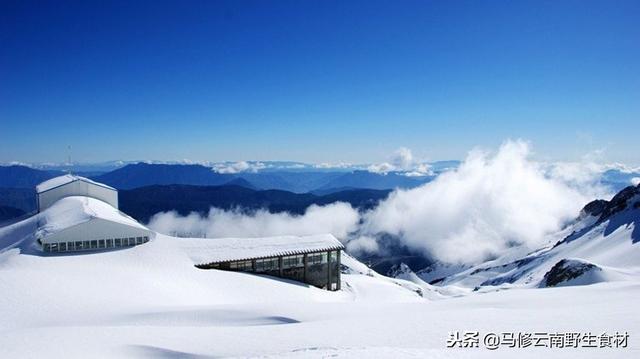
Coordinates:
70	211
203	250
150	301
611	245
64	179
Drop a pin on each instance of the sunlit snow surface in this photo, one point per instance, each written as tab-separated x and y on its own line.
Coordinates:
151	302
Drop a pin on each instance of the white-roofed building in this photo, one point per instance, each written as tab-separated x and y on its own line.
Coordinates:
78	214
83	223
49	192
310	259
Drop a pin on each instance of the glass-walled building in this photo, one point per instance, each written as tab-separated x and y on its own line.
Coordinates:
314	260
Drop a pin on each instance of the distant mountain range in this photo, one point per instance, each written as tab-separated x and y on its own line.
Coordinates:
144	174
24	177
142	203
303	183
7	213
146	189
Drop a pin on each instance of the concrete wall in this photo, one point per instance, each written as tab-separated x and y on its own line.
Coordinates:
77	188
96	229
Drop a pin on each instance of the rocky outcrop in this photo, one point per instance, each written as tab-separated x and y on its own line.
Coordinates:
621	201
568	270
629	196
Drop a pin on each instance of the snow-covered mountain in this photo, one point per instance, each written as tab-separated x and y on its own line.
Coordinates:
600	245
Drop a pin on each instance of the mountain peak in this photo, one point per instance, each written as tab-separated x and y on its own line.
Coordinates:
628	197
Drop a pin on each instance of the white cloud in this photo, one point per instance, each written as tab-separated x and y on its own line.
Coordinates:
423	169
382	168
327	165
363	244
635	181
238	167
402	160
490	202
339	219
486	205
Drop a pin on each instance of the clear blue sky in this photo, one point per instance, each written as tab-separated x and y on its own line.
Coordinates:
317	80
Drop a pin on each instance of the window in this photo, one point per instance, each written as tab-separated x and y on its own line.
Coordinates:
132	241
139	240
146	239
241	265
269	264
71	246
54	247
94	244
317	258
245	266
333	256
118	242
63	247
101	243
46	247
87	245
109	243
79	246
293	261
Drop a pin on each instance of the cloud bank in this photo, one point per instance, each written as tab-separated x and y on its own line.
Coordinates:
402	160
339	219
238	167
492	201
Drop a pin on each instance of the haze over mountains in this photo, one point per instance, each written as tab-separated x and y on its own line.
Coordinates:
290	187
297	184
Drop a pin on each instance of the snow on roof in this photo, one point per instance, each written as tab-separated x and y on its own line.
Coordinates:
64	179
215	250
70	211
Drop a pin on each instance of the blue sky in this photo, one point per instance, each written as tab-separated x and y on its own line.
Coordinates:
317	81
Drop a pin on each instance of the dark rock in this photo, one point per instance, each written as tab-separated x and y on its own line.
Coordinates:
619	202
565	270
595	208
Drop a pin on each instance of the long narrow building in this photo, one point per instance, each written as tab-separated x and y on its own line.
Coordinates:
314	260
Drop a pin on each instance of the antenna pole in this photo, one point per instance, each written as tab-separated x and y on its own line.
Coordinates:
69	159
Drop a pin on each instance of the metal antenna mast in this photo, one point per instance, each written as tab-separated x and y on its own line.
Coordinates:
69	159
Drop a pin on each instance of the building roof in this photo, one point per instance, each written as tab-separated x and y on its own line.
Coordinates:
216	250
65	179
70	211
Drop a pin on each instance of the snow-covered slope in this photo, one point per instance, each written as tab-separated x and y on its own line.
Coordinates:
150	301
606	235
